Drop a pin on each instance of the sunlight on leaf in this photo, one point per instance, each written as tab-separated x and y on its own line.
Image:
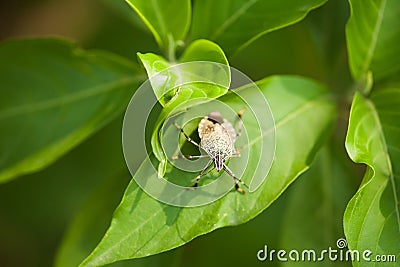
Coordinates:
372	220
164	83
142	226
174	84
168	26
373	39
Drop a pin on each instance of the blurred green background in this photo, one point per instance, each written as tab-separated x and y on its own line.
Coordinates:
36	210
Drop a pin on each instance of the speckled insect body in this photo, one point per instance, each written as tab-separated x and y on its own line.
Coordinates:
217	137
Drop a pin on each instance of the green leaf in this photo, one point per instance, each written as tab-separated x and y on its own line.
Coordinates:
373	39
167	83
195	80
247	238
239	22
372	220
204	50
156	64
53	96
169	21
92	220
143	226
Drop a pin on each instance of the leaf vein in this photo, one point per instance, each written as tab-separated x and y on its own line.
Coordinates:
75	97
288	118
387	158
235	16
375	33
382	186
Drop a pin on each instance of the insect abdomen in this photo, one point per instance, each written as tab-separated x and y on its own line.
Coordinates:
217	145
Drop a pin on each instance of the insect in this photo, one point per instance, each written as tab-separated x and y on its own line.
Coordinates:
217	139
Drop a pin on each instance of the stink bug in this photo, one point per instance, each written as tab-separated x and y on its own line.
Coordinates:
217	139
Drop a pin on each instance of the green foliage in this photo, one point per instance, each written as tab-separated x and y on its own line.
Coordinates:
165	89
240	22
143	226
95	211
372	218
372	39
56	99
168	26
187	80
62	96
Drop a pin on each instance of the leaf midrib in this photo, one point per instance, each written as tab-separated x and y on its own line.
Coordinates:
68	99
375	116
160	18
375	34
366	213
155	214
234	17
291	115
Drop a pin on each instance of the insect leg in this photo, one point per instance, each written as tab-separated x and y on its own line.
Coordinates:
189	157
186	136
236	180
202	173
239	123
236	154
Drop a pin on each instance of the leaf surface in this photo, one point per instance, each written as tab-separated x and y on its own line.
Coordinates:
373	39
202	73
53	96
169	21
143	226
371	220
239	22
